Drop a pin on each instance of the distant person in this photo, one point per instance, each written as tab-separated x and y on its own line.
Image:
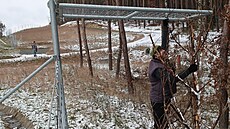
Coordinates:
163	84
34	48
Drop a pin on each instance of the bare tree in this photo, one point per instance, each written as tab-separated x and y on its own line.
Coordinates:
80	43
195	106
224	71
86	44
86	47
125	54
110	41
126	57
119	57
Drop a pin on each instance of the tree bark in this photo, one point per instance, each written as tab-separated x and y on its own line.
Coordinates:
119	57
216	15
110	42
207	18
195	99
224	50
86	47
110	46
126	57
80	43
125	54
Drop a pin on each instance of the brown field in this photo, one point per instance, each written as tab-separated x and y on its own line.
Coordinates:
76	79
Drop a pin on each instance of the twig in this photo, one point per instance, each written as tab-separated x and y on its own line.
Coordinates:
205	37
160	58
218	118
192	89
180	115
179	43
204	86
152	41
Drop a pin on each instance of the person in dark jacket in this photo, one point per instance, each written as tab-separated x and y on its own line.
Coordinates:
34	48
163	84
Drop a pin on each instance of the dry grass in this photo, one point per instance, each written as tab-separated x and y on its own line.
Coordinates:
76	80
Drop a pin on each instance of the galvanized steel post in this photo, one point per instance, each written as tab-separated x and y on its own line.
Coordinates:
62	114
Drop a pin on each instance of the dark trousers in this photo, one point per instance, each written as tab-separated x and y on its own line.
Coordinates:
160	121
35	53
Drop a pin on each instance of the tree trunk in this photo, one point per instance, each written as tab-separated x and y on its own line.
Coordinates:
119	57
216	16
177	4
143	5
125	54
110	46
126	57
86	47
194	4
195	99
224	49
110	42
207	18
80	43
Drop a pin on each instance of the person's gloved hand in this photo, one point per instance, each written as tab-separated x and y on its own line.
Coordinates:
193	68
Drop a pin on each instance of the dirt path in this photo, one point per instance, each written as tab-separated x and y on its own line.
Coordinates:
12	118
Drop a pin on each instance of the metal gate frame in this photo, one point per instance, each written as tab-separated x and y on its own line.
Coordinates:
98	12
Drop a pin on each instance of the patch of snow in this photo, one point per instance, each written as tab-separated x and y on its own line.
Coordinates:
1	123
107	112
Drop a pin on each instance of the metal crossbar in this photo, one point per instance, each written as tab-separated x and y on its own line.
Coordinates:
105	12
27	78
128	13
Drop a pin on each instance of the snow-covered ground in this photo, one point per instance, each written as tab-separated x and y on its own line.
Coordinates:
104	112
1	124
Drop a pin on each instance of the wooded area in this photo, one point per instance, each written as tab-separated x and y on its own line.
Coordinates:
219	22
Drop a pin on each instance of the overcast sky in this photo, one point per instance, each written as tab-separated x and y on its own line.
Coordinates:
21	14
